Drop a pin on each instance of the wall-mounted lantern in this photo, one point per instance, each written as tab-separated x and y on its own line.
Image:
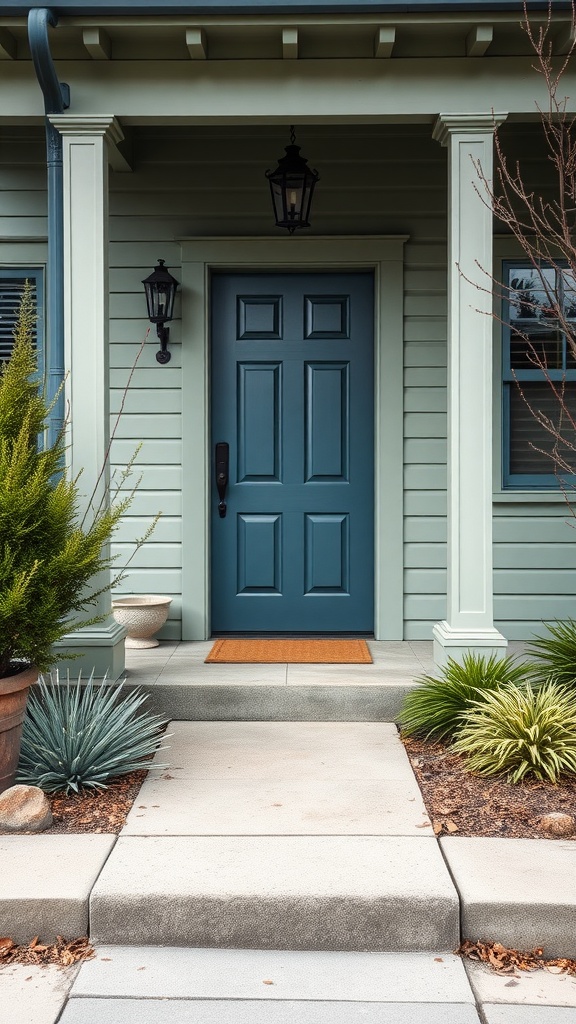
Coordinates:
292	187
160	288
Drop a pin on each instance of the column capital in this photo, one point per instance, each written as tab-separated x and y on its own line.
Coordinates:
105	125
447	125
98	126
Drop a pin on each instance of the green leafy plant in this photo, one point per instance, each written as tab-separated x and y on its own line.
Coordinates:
48	554
80	734
436	707
555	653
521	731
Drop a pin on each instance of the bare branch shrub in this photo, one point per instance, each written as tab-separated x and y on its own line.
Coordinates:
543	222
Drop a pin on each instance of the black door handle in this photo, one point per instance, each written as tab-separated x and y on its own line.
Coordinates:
222	463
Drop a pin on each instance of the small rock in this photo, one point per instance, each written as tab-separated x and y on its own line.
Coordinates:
24	809
558	824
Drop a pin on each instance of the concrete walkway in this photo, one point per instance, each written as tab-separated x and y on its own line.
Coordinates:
285	870
160	985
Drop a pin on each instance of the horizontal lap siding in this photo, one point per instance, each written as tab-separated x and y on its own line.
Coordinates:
23	202
151	422
370	183
373	180
424	437
534	567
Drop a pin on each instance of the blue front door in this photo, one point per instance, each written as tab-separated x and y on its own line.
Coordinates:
292	397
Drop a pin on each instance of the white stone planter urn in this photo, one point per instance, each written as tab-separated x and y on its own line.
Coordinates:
142	616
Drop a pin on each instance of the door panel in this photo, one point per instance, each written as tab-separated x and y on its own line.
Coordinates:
292	394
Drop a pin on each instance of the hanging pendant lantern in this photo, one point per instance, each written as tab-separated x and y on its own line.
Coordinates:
292	187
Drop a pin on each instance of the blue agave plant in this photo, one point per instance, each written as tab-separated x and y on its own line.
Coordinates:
80	734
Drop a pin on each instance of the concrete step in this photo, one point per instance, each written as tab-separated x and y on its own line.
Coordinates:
191	701
45	883
273	835
276	892
182	686
520	892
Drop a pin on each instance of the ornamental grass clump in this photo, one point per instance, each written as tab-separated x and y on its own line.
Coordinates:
555	654
435	708
80	734
521	731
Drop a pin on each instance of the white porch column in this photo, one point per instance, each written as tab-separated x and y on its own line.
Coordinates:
470	618
85	171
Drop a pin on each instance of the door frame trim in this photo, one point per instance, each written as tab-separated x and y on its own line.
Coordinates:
383	254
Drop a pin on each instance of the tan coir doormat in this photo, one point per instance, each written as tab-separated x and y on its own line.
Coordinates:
321	652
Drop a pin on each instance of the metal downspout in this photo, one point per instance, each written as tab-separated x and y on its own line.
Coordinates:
56	100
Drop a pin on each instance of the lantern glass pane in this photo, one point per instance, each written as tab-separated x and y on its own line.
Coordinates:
163	299
278	200
149	300
294	203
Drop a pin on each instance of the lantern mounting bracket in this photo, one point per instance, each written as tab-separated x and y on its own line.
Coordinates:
163	355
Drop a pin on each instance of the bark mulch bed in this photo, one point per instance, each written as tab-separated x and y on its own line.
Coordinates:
459	803
94	810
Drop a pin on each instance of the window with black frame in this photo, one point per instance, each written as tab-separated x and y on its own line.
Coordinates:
12	283
539	377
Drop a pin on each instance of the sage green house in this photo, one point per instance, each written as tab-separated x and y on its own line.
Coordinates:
354	367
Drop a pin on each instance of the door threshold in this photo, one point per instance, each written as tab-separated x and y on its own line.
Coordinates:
296	636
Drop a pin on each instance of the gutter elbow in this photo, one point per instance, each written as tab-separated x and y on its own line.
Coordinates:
56	95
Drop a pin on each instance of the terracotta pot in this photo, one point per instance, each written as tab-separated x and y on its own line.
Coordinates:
13	697
142	617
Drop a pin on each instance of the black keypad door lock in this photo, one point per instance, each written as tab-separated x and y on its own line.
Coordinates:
222	465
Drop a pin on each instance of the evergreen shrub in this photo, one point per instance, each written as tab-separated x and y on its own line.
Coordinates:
48	555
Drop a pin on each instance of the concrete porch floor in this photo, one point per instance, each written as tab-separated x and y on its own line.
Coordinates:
396	661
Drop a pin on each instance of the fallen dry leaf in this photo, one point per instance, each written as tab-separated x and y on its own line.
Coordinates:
60	952
505	961
451	825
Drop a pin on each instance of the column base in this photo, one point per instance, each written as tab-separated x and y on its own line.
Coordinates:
98	648
455	643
